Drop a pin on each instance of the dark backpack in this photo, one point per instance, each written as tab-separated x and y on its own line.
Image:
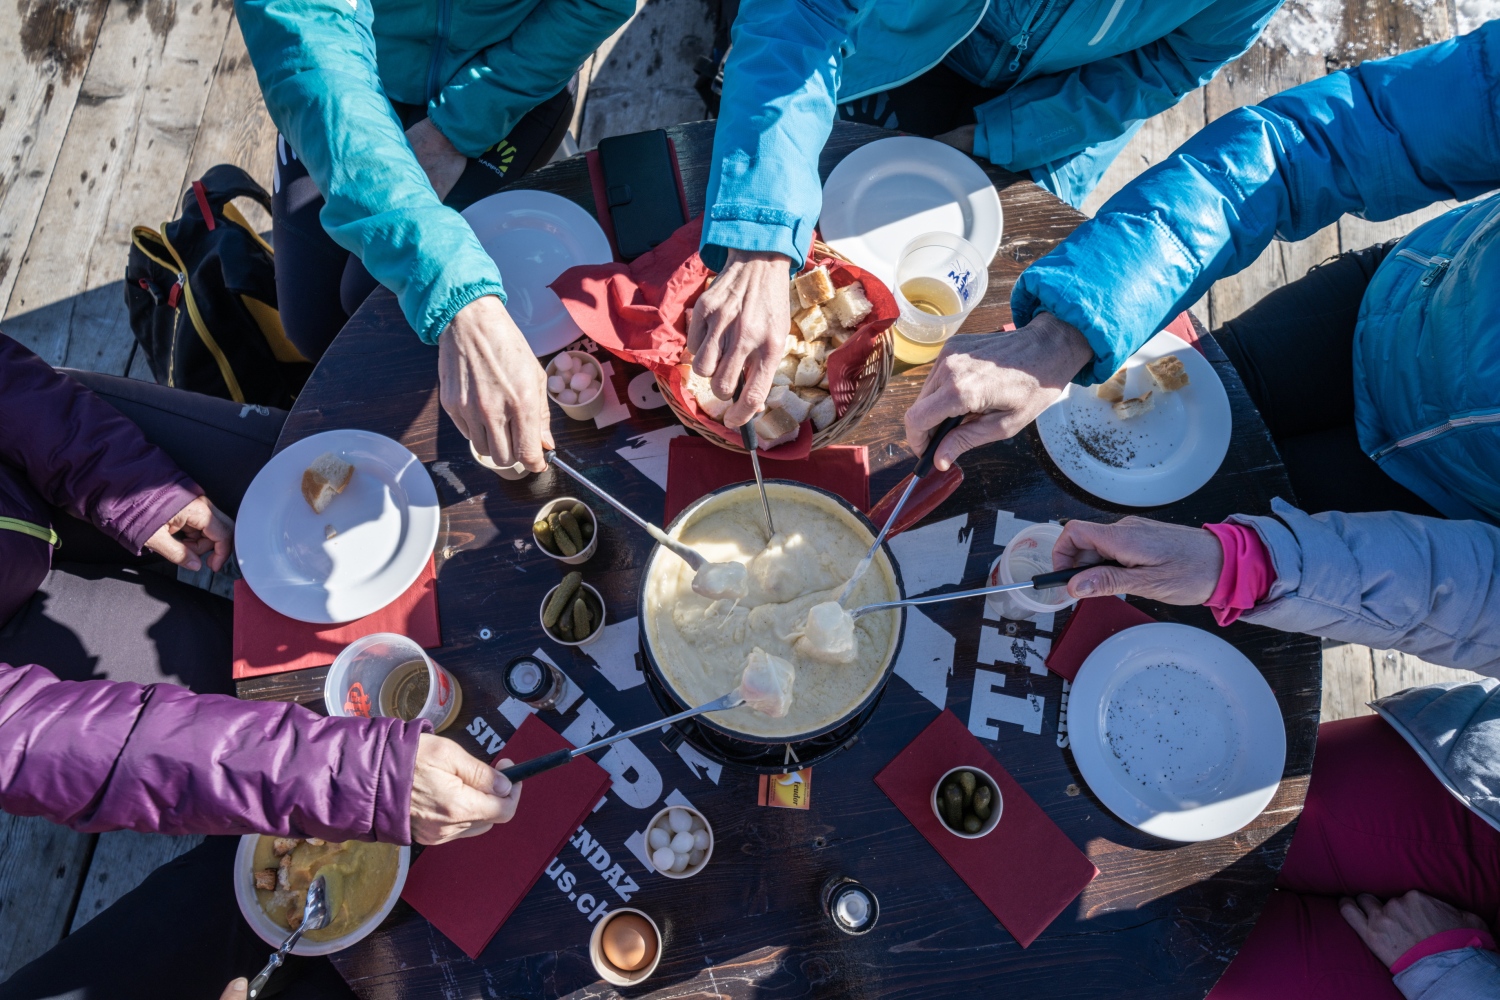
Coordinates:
202	298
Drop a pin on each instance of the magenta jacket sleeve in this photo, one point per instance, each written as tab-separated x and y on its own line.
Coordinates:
105	755
83	455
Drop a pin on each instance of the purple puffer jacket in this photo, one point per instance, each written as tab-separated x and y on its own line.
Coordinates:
105	755
62	445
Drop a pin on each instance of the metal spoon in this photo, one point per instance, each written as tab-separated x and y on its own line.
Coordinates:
689	555
557	758
314	917
924	466
1042	581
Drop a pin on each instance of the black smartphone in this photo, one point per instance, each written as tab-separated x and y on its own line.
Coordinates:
640	184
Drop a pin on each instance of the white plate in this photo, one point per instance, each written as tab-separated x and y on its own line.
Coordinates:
890	191
534	236
273	934
386	522
1156	458
1176	732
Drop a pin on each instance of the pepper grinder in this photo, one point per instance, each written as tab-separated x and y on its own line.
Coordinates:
534	682
851	906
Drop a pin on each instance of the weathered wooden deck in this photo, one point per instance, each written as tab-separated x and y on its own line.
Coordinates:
109	108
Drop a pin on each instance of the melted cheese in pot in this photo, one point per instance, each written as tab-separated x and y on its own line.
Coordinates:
702	645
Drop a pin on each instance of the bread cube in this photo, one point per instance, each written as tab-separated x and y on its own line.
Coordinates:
824	413
1112	390
809	372
794	406
814	287
823	382
775	427
1129	409
1168	373
812	323
711	405
850	306
774	397
786	372
811	393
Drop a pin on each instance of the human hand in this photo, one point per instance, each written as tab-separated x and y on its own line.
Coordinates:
238	989
455	795
1000	380
1164	562
492	386
204	528
1391	929
961	138
739	324
443	163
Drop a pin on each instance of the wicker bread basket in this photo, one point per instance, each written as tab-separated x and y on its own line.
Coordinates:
869	384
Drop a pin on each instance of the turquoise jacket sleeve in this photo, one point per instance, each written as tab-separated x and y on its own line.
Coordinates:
777	110
316	63
482	102
1054	115
1378	140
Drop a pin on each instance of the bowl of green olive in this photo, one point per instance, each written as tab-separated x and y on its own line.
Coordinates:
967	802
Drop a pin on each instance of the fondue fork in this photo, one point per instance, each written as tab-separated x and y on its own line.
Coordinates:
689	555
1042	581
557	758
315	916
924	466
747	435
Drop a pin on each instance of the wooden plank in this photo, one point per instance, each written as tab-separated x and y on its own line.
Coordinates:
1348	680
1356	233
121	861
1395	672
643	74
1256	75
41	869
236	127
44	50
121	164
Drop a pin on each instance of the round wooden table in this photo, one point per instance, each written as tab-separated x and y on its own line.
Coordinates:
1161	921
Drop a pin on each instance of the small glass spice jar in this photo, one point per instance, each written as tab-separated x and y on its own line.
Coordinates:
533	681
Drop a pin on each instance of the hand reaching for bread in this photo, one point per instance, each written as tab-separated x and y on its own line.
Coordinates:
196	530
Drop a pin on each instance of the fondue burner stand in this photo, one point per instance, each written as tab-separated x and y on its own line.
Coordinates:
750	755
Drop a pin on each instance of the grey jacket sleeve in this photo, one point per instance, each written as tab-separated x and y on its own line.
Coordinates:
1461	974
1425	586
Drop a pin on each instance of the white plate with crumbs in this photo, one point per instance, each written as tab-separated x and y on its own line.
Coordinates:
1176	732
1156	458
369	544
890	191
534	236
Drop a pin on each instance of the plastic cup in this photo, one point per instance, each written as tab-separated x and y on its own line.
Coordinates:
940	278
358	680
1026	555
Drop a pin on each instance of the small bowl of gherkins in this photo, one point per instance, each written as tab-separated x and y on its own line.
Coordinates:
573	612
967	802
566	530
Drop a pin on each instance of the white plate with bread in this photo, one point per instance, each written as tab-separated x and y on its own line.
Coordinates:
337	526
1154	433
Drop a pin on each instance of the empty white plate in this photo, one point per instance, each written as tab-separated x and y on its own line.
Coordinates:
534	236
1156	458
384	526
890	191
1176	732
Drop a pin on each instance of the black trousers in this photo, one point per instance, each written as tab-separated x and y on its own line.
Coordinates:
319	284
1294	349
102	613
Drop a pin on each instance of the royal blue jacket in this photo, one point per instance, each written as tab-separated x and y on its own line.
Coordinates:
1384	138
1078	77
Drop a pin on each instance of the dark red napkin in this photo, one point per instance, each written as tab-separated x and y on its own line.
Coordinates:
268	642
696	467
1094	620
1026	871
468	888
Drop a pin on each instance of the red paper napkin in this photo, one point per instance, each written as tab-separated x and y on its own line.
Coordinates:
696	467
268	642
1026	871
468	888
1094	620
1183	327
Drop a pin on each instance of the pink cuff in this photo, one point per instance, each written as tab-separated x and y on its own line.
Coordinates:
1459	937
1247	575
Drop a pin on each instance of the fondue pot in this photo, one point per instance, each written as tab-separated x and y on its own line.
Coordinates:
750	751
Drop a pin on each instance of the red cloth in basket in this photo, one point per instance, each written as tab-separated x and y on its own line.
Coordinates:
639	312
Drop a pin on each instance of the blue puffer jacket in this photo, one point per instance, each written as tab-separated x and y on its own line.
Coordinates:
1079	77
1384	138
329	70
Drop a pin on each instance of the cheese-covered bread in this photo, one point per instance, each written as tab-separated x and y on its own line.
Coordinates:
324	480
